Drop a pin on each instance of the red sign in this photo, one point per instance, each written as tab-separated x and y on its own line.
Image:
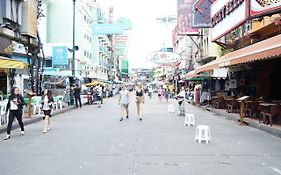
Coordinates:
120	38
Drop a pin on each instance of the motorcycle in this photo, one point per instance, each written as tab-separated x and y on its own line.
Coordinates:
89	98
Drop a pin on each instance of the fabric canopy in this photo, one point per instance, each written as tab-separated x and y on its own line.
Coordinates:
263	50
6	63
94	83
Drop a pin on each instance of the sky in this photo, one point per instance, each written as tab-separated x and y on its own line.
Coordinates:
147	35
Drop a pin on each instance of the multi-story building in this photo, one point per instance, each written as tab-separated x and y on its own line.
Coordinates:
92	57
249	48
18	32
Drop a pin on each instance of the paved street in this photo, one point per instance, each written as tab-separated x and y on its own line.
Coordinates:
93	141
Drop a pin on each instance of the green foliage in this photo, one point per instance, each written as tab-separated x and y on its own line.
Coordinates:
151	73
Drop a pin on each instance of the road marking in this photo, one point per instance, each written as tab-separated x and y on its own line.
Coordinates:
276	170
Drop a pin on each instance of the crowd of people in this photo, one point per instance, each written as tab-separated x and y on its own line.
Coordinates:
95	94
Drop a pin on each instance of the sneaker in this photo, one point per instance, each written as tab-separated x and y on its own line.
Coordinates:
22	132
7	137
127	116
48	128
140	119
121	119
45	130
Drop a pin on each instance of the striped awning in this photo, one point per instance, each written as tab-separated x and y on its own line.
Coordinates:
263	50
6	63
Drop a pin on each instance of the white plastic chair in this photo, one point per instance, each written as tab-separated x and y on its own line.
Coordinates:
3	116
36	104
189	120
58	102
202	133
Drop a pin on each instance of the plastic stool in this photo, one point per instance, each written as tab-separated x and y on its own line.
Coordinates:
202	133
189	120
171	108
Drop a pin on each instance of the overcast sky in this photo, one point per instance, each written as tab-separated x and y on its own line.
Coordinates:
147	35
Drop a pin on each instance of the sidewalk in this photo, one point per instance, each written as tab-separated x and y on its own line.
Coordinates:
38	117
274	130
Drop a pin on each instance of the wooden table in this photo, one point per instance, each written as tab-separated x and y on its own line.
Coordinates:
265	108
214	99
229	103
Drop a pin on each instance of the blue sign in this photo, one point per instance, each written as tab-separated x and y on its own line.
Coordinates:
59	57
107	29
202	13
19	58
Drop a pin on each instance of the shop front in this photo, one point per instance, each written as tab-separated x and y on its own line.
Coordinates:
12	73
254	72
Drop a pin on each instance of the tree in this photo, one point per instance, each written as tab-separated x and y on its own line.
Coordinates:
152	73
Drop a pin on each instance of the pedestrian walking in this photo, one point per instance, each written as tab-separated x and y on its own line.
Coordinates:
77	96
124	100
99	95
150	91
139	100
181	101
47	106
160	93
15	105
166	94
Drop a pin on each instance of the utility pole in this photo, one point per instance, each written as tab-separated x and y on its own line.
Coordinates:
73	42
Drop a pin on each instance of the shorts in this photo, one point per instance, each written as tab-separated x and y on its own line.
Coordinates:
47	112
125	106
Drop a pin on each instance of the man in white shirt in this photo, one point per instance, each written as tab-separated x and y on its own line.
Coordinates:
124	100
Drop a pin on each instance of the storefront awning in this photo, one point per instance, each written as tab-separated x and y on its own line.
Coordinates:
266	49
6	63
53	72
191	74
94	83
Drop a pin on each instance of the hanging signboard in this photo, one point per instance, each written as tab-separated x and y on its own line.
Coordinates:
262	7
226	15
107	29
60	57
184	25
125	67
163	58
201	17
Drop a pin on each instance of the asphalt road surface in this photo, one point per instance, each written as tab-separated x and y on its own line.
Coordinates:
92	140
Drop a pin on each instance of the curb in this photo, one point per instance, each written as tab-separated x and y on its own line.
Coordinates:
36	119
247	121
